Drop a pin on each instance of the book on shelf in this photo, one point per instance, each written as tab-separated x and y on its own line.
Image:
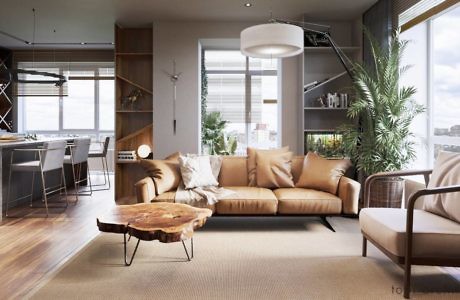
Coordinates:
127	155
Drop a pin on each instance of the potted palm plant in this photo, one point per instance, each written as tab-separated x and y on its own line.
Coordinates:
385	110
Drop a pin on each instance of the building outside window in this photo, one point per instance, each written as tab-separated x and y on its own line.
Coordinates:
245	92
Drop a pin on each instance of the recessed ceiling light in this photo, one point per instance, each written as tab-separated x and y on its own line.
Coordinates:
248	4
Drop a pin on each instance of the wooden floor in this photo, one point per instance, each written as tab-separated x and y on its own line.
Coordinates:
32	246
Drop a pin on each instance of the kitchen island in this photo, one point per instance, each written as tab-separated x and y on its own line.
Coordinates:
21	183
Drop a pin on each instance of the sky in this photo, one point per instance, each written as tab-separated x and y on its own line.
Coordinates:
446	72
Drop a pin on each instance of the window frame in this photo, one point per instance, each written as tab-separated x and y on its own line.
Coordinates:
431	139
95	131
248	73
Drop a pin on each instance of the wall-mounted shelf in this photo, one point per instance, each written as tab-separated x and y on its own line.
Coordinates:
128	161
321	83
135	133
135	84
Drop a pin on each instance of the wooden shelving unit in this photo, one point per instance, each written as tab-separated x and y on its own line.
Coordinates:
134	121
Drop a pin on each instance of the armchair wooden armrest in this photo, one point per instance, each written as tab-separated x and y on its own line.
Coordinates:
410	225
367	185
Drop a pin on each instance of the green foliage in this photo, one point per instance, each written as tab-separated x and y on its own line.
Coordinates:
212	124
385	111
214	137
204	91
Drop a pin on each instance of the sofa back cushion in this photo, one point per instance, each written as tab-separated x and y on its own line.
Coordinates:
233	171
322	174
252	164
446	172
274	170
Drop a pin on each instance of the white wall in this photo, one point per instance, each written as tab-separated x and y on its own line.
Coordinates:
179	41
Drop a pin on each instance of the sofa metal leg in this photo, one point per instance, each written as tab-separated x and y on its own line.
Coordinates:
326	223
364	246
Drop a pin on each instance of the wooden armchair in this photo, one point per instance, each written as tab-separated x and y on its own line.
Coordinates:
432	240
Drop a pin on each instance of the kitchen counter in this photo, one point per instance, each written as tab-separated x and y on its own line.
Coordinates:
28	143
21	182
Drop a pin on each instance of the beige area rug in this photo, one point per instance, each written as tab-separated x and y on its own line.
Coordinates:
246	258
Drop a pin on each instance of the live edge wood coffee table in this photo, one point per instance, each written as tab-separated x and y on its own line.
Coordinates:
166	222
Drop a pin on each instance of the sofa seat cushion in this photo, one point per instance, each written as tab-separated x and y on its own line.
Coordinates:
171	196
248	201
307	201
434	236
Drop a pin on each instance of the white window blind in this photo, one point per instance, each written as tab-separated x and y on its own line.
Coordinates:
71	70
226	71
412	12
39	89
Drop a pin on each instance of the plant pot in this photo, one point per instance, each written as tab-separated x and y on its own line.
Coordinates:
387	192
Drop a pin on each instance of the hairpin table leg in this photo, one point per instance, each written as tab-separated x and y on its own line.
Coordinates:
189	258
125	252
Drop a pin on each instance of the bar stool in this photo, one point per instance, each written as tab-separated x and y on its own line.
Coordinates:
79	151
102	154
50	157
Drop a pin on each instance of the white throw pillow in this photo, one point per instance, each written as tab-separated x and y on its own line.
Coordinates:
196	171
216	163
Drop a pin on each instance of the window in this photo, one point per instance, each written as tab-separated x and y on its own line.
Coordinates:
445	81
86	109
433	53
245	92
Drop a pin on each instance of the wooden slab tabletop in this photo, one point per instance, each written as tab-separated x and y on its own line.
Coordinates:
166	222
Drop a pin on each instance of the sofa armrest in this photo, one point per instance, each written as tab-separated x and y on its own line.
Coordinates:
145	190
349	193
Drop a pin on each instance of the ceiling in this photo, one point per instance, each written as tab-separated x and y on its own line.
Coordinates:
92	20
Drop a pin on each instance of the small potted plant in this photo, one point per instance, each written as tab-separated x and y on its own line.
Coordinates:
385	110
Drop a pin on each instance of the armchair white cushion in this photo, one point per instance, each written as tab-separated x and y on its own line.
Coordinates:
446	172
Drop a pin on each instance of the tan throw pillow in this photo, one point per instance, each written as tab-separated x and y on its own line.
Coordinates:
446	172
252	152
273	170
322	174
196	171
165	173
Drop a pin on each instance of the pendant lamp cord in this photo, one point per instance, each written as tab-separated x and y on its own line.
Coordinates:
33	39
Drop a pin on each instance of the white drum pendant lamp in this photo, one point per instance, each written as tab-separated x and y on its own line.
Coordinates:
272	40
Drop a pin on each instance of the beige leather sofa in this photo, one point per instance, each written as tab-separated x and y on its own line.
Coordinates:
262	201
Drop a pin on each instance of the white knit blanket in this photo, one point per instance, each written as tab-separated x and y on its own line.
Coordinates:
201	196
